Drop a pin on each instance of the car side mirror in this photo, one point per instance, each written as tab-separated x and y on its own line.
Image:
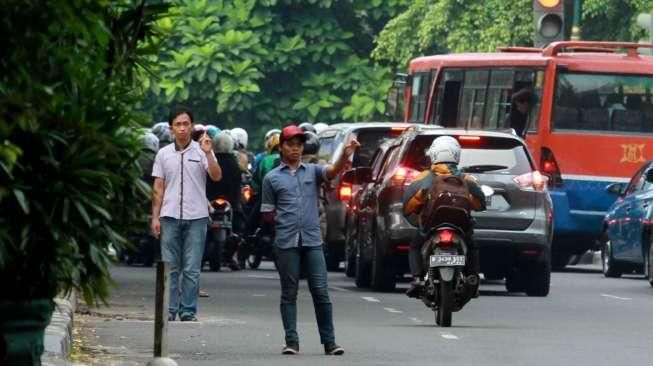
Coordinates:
616	188
360	175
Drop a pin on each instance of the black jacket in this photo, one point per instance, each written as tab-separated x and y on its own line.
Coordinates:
229	185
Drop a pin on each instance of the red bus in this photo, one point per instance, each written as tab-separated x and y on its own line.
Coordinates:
591	122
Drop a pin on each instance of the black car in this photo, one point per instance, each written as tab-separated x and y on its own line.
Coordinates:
514	234
335	194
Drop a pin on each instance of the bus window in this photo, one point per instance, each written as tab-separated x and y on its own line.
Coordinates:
448	98
473	99
419	95
603	102
498	99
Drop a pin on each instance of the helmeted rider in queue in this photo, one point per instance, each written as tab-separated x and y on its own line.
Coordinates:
444	154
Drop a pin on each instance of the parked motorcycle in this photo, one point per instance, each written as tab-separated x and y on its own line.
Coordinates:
445	254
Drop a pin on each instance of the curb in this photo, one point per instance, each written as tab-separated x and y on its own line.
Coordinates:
59	334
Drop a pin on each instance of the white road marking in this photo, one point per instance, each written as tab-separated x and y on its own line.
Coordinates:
262	276
370	299
416	320
448	336
393	310
336	288
616	297
259	295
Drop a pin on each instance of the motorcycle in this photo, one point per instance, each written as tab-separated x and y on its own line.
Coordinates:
261	245
445	254
221	243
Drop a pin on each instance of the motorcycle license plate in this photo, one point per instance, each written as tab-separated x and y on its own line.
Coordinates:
220	224
447	260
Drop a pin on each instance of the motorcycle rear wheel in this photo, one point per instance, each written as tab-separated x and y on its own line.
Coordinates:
443	314
254	260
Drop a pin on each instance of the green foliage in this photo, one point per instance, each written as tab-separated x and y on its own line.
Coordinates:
443	26
261	64
69	181
430	27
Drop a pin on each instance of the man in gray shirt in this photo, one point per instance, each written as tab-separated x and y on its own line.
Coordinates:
290	198
180	210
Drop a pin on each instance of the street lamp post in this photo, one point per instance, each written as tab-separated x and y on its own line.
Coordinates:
575	29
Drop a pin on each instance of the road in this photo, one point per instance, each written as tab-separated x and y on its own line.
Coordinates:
586	320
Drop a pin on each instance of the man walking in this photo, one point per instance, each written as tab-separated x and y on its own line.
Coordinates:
290	197
180	210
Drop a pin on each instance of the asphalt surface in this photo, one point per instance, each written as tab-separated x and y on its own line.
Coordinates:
586	320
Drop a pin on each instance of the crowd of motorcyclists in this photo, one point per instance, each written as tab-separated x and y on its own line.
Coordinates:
248	240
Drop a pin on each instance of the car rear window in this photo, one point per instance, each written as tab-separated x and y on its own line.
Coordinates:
493	155
370	140
327	145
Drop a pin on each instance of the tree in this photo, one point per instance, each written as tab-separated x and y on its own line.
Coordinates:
69	182
258	64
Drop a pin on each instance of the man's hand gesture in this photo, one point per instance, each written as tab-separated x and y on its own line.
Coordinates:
205	143
351	147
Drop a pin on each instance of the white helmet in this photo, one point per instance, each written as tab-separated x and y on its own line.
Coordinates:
150	142
444	149
223	143
319	127
240	137
274	131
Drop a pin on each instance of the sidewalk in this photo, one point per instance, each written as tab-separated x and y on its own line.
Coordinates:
58	335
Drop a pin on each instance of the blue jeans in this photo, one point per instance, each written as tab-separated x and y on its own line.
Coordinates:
290	262
182	244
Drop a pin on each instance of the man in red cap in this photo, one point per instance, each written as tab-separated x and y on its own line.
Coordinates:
290	198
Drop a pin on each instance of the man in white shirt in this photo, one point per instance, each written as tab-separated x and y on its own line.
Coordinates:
180	213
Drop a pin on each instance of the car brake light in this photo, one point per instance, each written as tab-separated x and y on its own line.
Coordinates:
344	193
532	181
469	138
446	237
403	176
549	167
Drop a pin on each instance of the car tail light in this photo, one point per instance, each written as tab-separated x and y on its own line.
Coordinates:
344	193
532	181
403	176
549	167
446	237
469	138
247	193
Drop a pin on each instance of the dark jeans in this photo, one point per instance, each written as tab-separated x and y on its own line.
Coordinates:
415	255
290	262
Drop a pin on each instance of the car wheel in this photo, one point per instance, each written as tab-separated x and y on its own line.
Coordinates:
515	281
332	262
559	260
538	282
362	269
383	269
609	265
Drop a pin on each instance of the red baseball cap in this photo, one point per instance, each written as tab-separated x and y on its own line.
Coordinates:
291	131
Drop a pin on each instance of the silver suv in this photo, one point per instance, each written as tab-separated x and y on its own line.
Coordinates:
514	234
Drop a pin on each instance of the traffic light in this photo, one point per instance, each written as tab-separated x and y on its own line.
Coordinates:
549	16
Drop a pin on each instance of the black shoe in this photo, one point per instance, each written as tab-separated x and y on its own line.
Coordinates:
188	318
415	289
333	349
290	349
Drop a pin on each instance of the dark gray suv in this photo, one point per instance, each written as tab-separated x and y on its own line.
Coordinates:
336	195
514	234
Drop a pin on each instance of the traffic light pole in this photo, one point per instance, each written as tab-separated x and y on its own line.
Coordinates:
575	29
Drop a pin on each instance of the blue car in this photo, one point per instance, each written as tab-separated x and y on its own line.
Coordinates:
628	236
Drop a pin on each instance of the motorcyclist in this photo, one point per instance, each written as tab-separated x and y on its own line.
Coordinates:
267	163
229	186
444	154
307	127
261	155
